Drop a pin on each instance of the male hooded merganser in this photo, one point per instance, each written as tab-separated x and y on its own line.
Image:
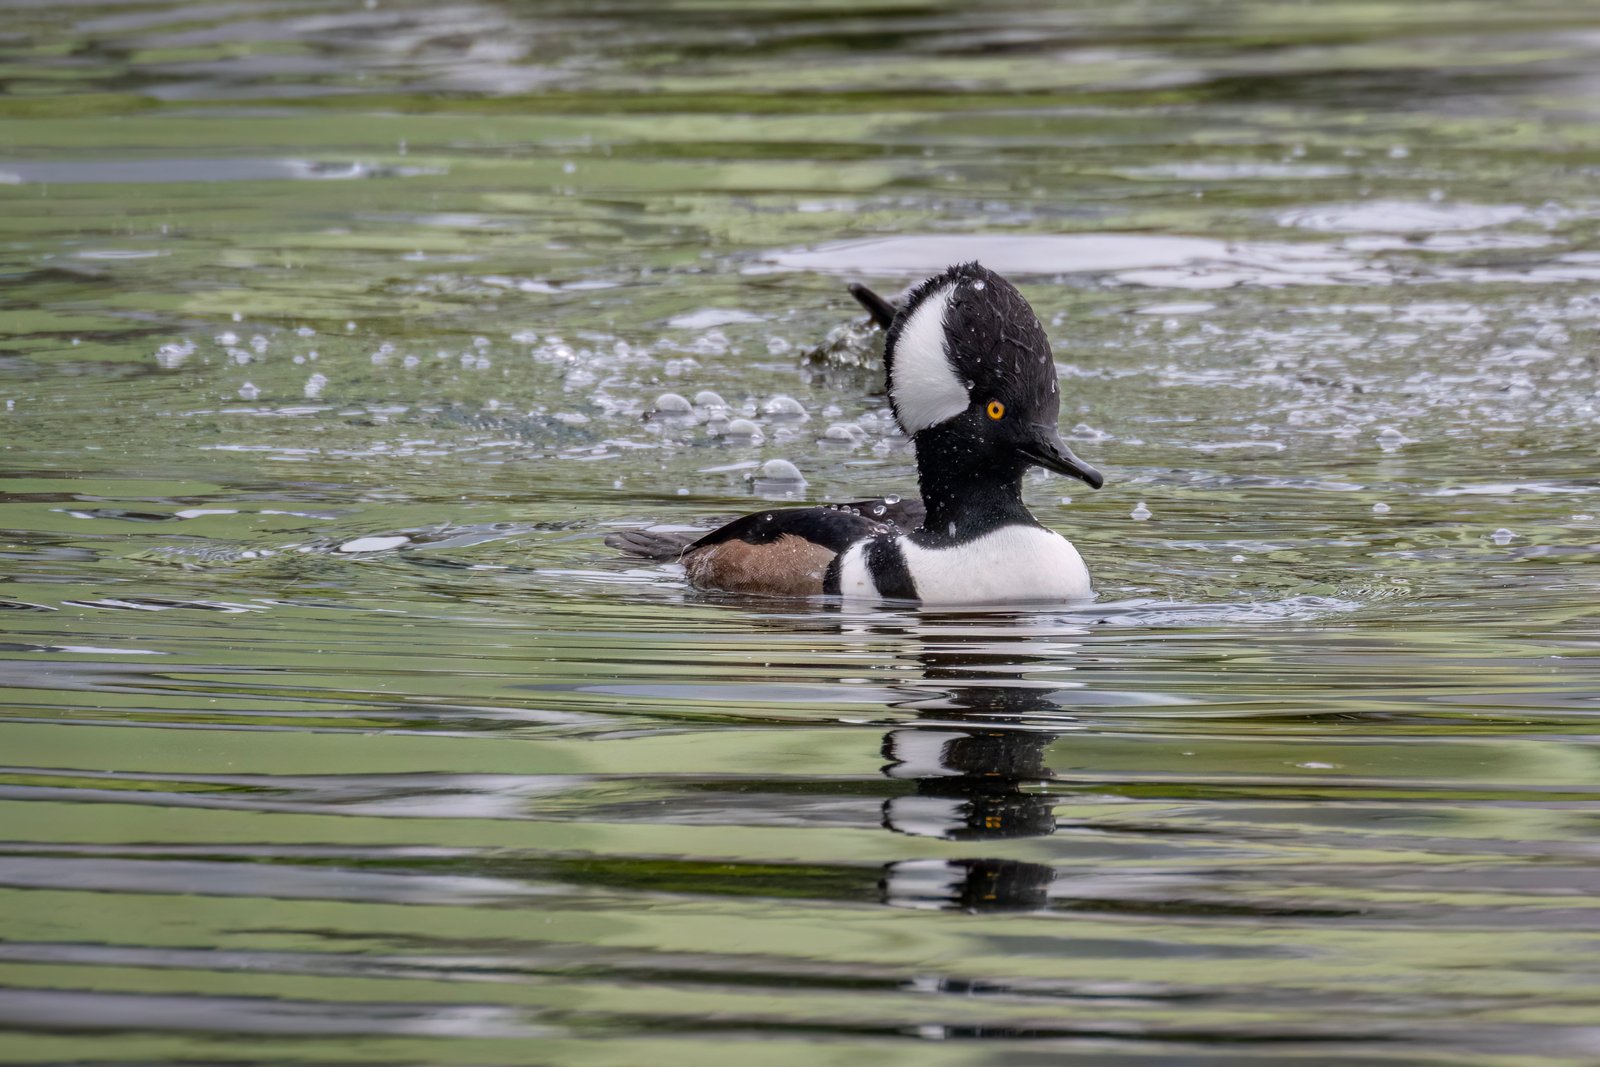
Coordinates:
972	383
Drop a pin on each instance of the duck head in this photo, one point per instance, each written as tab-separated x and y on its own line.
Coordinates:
972	380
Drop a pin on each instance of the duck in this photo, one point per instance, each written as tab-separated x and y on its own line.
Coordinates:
972	382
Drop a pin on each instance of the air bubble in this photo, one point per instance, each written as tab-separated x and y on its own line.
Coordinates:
248	391
743	429
1139	512
845	432
1380	508
172	356
1502	536
705	398
780	470
784	407
673	404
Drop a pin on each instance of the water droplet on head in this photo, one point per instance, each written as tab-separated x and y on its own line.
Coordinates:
980	285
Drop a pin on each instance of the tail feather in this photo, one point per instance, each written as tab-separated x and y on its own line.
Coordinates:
881	310
665	545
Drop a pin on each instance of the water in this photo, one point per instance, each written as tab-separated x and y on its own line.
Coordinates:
330	347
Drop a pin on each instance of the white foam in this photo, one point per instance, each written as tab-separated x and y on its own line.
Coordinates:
374	544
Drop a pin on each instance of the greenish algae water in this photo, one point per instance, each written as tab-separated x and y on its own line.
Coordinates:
331	337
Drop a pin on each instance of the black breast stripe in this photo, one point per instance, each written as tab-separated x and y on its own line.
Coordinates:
830	577
887	565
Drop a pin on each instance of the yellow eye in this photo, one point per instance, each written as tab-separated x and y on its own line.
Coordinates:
996	410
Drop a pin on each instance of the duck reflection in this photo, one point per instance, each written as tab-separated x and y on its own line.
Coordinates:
975	760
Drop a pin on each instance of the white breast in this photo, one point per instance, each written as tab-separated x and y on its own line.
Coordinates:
1010	565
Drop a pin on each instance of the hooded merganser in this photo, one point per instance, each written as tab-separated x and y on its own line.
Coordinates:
971	381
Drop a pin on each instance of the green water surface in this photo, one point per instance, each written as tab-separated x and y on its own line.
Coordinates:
331	340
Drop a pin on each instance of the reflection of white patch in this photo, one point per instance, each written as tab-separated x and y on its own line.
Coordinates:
1011	564
855	577
925	816
924	385
920	753
922	883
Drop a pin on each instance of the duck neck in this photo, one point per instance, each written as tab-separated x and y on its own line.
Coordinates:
967	492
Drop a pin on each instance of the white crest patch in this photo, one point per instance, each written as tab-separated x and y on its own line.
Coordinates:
924	385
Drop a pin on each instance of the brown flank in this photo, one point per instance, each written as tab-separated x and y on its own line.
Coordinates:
789	566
